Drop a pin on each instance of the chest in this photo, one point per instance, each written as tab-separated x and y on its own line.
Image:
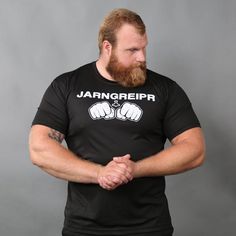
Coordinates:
139	110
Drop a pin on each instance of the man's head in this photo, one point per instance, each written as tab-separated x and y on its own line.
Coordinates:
123	40
114	21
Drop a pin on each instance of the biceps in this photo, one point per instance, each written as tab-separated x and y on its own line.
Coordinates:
40	134
56	135
193	135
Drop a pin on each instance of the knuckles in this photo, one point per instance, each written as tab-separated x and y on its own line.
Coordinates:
127	111
115	174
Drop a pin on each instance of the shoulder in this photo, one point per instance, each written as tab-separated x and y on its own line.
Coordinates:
159	79
75	74
67	81
162	84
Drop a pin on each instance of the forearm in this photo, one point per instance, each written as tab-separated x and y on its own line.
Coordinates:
58	161
175	159
65	165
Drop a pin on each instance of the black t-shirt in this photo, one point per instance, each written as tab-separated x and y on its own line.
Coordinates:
101	119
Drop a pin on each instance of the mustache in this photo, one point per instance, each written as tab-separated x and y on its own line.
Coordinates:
141	65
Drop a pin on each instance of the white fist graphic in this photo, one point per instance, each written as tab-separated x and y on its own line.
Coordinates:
129	111
102	110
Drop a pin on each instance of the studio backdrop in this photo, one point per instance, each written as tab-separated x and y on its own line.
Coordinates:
192	42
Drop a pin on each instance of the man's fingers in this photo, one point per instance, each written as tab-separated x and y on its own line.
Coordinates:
120	176
115	173
124	175
126	166
106	183
122	158
123	171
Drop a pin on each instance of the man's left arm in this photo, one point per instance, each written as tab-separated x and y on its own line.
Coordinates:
187	151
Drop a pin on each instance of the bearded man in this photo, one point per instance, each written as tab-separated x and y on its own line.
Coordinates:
115	116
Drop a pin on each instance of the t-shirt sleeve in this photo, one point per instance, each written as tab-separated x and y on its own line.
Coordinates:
52	111
179	115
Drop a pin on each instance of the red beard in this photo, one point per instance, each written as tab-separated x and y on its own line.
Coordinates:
132	76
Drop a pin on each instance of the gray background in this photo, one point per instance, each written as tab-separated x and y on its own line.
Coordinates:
193	42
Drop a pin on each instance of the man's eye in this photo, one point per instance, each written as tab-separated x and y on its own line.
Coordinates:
133	49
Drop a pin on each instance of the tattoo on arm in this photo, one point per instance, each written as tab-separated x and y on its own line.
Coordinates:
56	135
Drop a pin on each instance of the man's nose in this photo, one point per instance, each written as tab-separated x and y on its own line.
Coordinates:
141	56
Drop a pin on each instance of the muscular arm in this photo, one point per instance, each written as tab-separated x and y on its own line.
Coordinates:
47	152
186	152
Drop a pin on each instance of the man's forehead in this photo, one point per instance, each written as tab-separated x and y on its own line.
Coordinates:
129	35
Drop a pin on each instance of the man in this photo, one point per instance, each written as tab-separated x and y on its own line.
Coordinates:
115	116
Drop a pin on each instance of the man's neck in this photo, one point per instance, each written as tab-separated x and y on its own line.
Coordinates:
101	67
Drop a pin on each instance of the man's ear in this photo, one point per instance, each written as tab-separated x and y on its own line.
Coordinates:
107	47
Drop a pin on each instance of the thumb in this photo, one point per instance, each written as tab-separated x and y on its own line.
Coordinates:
122	158
127	156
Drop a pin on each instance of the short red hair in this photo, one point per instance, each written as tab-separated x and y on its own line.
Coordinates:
113	22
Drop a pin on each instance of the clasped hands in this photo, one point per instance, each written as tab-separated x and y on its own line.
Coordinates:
117	172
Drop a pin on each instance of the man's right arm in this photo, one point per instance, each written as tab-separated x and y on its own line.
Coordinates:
47	152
